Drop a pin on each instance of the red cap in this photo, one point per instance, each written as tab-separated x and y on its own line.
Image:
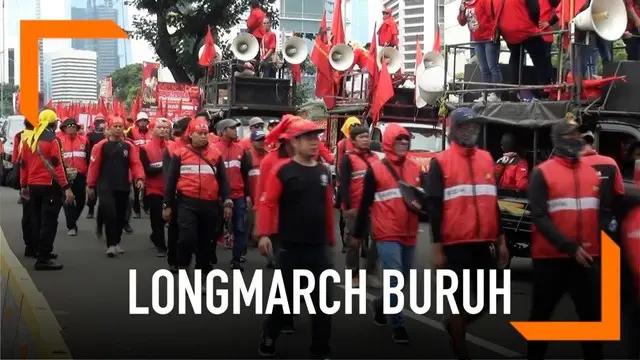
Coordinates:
281	131
197	125
303	127
115	120
387	10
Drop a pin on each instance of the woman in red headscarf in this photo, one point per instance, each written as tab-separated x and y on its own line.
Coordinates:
388	31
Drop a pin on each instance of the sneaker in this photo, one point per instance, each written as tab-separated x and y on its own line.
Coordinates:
236	265
400	335
493	97
161	253
267	346
47	264
90	215
119	250
111	251
128	229
378	316
73	232
243	259
373	282
137	216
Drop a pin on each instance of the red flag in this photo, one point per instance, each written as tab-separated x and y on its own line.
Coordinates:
436	41
209	52
384	92
337	25
325	87
136	104
372	62
296	72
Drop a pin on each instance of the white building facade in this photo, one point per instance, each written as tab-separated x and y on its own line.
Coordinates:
74	76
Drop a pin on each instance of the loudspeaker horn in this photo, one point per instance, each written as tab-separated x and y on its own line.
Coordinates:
433	58
295	50
218	53
393	58
431	84
607	18
341	57
245	47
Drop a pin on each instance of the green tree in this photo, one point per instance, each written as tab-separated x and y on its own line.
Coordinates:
127	82
179	51
6	107
306	88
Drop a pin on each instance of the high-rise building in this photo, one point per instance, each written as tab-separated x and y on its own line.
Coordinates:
416	19
74	76
11	60
112	53
40	50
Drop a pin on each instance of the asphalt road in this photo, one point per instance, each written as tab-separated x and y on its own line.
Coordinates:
90	298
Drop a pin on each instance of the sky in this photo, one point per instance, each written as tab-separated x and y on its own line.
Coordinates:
55	10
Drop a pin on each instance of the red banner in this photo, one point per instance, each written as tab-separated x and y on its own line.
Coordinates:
150	84
180	99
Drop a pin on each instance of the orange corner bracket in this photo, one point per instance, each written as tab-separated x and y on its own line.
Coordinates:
607	329
33	30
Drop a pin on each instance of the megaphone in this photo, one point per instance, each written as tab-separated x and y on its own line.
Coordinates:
218	53
341	57
607	18
431	84
392	57
295	50
432	59
245	47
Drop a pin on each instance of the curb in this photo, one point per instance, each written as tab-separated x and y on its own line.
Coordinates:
28	324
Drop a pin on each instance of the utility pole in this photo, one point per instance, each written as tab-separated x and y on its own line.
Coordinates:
4	43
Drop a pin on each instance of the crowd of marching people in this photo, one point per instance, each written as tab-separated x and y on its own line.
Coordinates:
274	188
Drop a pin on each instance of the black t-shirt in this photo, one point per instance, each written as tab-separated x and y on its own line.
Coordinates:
114	172
302	215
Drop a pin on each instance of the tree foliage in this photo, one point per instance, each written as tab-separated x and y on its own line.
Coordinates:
6	107
127	82
179	51
306	88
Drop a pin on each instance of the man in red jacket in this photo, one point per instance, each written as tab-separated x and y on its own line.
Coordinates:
511	171
43	181
75	151
564	200
111	176
394	227
151	156
140	135
388	31
519	22
254	21
238	164
464	216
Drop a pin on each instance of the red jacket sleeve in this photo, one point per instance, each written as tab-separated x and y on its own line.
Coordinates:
135	165
331	239
16	147
326	154
522	175
255	20
55	152
462	20
95	164
267	222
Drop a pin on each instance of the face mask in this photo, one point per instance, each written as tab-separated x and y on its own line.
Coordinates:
569	148
467	137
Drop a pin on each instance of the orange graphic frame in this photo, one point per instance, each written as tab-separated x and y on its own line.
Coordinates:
31	31
607	329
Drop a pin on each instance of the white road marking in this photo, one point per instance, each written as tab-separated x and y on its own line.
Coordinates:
498	349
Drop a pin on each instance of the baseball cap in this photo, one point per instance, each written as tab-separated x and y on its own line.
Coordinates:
258	135
256	121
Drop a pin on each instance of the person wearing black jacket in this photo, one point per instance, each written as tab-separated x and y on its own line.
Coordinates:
466	228
151	157
298	206
565	241
353	167
94	137
27	232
